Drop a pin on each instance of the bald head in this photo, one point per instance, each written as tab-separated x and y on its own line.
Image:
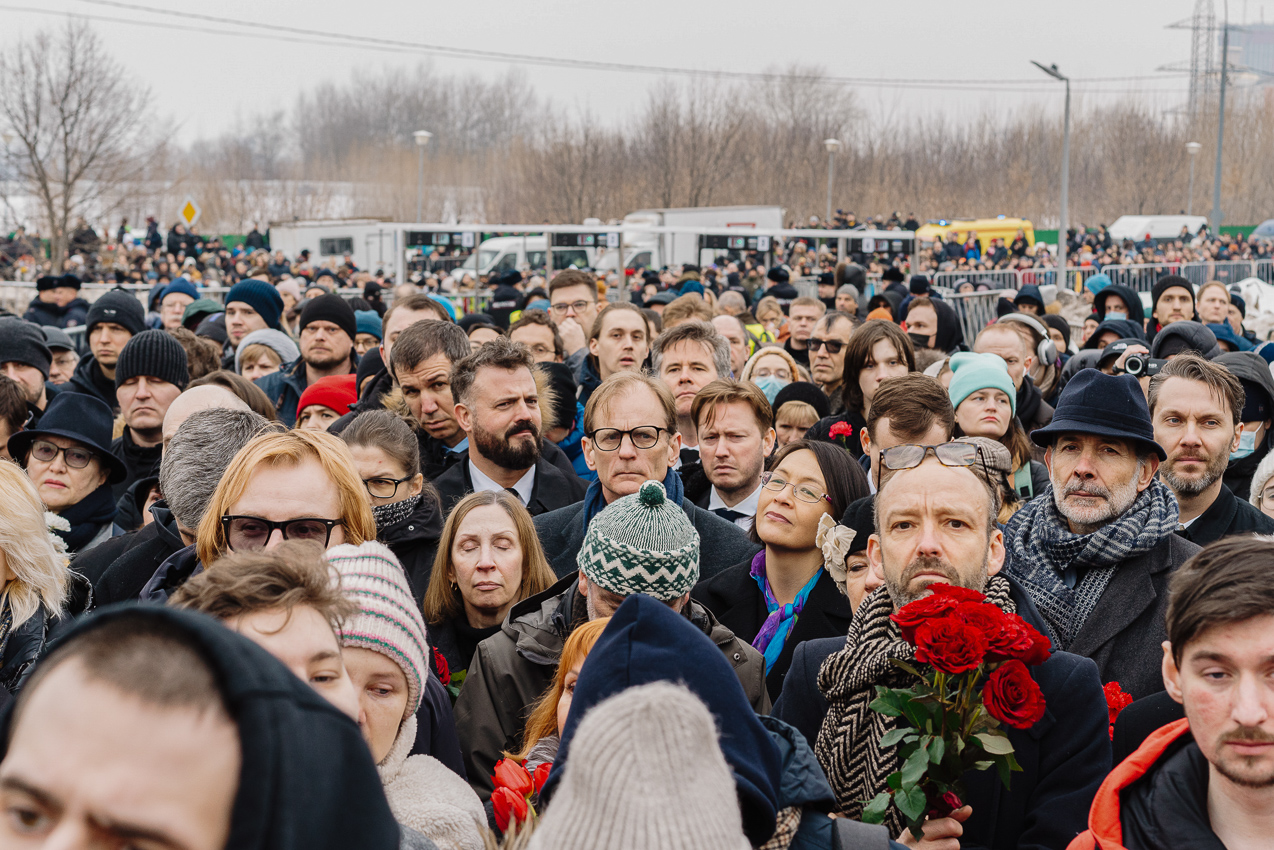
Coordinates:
198	398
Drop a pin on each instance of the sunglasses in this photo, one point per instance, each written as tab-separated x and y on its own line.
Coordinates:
250	533
76	457
833	345
948	454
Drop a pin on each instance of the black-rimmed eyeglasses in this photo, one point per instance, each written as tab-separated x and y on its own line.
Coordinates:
384	488
250	533
610	439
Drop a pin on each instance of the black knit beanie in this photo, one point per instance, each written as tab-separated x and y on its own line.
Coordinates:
1167	282
155	354
330	308
23	342
119	307
806	392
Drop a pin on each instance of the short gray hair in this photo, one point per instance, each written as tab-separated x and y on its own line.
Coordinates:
693	331
197	457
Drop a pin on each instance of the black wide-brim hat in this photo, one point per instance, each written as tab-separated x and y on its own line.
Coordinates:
79	417
1105	405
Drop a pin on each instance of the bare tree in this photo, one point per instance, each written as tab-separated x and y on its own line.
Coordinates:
78	126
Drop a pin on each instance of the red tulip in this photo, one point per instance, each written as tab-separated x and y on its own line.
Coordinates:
509	807
541	775
509	774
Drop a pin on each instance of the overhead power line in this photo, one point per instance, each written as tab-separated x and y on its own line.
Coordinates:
303	35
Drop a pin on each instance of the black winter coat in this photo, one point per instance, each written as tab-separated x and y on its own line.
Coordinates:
89	379
1064	757
414	541
73	315
124	577
553	488
140	461
735	598
1227	516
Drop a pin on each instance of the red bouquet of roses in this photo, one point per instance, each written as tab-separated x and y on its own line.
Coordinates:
974	678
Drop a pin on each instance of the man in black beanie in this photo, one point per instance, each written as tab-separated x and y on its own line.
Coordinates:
57	302
1171	300
25	357
327	327
151	373
112	321
778	287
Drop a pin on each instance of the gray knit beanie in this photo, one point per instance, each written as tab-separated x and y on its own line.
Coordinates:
642	543
645	771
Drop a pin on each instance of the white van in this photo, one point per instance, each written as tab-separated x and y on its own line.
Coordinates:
1160	227
507	253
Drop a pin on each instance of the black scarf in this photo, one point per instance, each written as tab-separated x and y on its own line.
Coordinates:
87	516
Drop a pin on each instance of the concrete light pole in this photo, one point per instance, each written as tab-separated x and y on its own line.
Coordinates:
1193	149
1052	71
832	145
422	139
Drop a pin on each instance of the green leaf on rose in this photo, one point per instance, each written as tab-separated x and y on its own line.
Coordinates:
903	665
913	769
911	803
937	749
893	736
886	706
874	812
894	781
996	745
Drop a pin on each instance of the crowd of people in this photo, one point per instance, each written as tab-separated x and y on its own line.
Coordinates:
308	566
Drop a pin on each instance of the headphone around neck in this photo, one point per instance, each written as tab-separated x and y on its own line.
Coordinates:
1046	349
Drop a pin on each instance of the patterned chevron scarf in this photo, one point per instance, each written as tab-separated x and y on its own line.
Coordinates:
1065	574
848	745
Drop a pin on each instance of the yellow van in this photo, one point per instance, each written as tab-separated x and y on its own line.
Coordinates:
1000	227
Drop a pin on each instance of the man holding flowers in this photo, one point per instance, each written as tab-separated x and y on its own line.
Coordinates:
935	520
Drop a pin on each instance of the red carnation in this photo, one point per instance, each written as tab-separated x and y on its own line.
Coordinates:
841	429
508	806
1012	696
950	645
1116	701
440	665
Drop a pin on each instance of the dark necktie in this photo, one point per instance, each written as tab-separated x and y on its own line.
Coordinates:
729	514
515	493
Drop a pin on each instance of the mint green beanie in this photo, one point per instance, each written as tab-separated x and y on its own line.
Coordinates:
973	372
642	543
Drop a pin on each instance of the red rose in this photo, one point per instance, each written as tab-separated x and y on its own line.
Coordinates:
509	774
440	666
912	615
508	807
841	429
1012	697
541	775
1013	637
950	645
945	805
956	592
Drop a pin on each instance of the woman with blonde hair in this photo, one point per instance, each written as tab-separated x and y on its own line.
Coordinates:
294	485
544	725
489	559
772	368
33	576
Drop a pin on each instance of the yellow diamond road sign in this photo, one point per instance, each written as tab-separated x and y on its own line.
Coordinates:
190	211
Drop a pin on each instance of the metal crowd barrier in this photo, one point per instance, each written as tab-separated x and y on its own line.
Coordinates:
997	279
976	309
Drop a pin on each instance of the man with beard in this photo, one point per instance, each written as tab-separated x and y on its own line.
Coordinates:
327	329
1196	406
1096	555
497	405
1205	780
935	514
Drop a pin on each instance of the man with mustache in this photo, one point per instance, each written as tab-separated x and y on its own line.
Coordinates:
497	405
1205	780
1197	408
935	520
1096	553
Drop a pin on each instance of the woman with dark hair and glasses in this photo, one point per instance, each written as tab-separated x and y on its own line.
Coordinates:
786	593
296	485
68	459
408	518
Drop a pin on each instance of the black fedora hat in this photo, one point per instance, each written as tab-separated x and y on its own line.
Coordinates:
78	417
1106	405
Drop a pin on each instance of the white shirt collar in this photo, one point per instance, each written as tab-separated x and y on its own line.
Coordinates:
748	507
483	484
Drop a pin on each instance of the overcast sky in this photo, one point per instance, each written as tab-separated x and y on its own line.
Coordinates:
201	80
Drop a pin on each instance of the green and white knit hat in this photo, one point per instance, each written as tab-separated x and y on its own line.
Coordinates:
388	620
642	543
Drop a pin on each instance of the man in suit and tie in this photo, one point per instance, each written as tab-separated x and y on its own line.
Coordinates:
736	434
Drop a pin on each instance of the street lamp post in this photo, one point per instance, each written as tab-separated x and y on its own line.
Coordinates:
1193	149
832	145
1052	71
422	139
1220	124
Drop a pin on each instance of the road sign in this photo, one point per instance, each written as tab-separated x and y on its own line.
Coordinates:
190	211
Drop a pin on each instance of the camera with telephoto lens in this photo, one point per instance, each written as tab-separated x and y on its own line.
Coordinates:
1141	366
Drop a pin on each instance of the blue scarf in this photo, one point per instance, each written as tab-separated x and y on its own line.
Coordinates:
595	501
778	626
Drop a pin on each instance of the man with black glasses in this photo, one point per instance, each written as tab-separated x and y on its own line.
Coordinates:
573	304
630	427
827	355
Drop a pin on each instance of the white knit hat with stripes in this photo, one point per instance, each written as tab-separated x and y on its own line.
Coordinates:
642	543
388	620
